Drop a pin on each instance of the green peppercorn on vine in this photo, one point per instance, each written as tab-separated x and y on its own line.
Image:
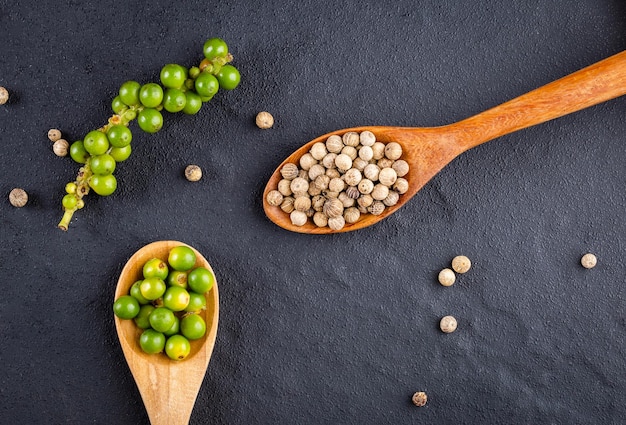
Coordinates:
180	90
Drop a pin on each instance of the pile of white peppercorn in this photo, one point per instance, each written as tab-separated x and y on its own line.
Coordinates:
339	180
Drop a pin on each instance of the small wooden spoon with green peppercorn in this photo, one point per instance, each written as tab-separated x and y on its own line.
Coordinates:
429	149
168	388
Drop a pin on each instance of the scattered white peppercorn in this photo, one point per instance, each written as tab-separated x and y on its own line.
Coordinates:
18	197
61	147
448	324
264	120
461	264
193	173
54	134
588	261
419	398
446	277
4	95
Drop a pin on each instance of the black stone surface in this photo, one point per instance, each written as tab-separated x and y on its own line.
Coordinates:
336	329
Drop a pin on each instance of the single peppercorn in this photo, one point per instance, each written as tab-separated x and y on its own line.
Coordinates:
61	147
54	134
18	197
588	261
461	264
4	95
419	398
264	120
447	324
446	277
193	173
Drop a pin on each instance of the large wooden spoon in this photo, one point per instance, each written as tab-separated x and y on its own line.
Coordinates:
168	388
429	149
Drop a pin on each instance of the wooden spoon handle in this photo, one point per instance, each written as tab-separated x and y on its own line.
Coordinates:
594	84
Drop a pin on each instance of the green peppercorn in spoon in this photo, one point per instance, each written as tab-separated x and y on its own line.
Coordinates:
168	388
427	150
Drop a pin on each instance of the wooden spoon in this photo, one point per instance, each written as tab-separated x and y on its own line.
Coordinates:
429	149
168	388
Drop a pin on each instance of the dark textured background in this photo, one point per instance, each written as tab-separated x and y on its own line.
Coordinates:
335	329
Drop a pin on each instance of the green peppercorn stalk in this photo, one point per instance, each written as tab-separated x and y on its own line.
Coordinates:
180	90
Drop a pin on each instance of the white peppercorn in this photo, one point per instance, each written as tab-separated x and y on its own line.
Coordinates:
376	208
334	144
60	147
401	167
333	208
284	187
365	201
336	223
446	277
302	203
393	150
336	185
401	185
346	200
330	194
289	171
419	398
333	173
299	186
367	138
274	197
366	153
461	264
588	261
380	192
313	190
320	219
448	324
18	197
351	138
307	161
362	210
317	202
304	174
315	171
351	215
366	186
371	172
329	160
4	95
310	212
54	134
193	173
387	176
343	162
391	199
298	218
264	120
353	192
378	150
318	150
384	163
287	204
359	164
321	182
352	177
351	152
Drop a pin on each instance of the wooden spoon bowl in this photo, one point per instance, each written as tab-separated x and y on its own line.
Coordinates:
428	150
168	388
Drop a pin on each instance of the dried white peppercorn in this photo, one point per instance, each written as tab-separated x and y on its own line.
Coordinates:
329	160
366	153
321	182
299	186
334	144
351	138
378	149
4	95
346	200
307	161
333	207
387	176
367	138
284	187
54	134
289	171
461	264
353	192
393	150
298	218
336	185
343	162
446	277
330	194
18	197
318	151
448	324
384	163
287	204
310	212
351	215
351	152
274	197
352	177
376	208
333	173
365	201
315	171
336	223
61	147
313	189
371	172
380	192
302	203
264	120
359	164
588	261
193	173
317	202
401	167
391	199
320	219
401	185
419	398
304	174
366	186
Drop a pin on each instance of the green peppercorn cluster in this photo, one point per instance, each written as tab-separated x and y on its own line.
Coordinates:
180	90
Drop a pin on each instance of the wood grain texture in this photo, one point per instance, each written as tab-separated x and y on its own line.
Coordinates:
429	149
168	388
